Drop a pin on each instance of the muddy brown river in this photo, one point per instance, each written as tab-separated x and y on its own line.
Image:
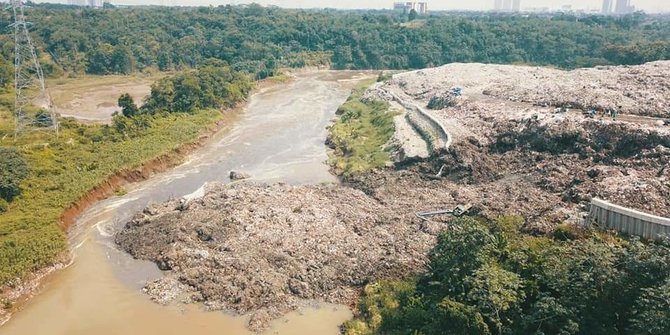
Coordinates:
279	137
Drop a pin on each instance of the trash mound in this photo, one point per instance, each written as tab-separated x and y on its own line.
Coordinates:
550	130
510	193
620	163
265	249
604	141
637	90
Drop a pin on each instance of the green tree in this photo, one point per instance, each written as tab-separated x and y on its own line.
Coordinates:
459	253
128	106
493	275
100	59
121	60
458	319
495	291
653	311
13	169
412	15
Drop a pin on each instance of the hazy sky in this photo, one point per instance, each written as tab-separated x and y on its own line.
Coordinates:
646	5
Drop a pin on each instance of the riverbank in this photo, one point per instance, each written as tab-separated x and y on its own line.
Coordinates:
278	137
71	172
56	255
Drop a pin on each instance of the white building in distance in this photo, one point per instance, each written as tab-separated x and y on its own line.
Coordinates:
607	7
507	5
406	7
624	7
89	3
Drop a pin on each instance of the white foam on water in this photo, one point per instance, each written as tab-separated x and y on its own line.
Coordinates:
116	203
100	226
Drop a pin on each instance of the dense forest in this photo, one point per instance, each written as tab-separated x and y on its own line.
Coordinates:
258	40
485	277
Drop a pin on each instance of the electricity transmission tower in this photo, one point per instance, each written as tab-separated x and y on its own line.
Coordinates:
33	109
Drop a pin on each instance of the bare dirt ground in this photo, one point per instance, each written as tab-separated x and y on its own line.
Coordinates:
261	249
94	98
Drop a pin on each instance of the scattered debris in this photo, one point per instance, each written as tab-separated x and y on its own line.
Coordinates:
236	175
459	211
263	249
591	142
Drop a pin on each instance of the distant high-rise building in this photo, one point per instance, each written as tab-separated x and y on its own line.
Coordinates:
624	7
507	5
516	5
498	5
90	3
607	7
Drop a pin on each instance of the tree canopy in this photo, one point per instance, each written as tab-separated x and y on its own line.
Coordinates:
13	169
485	277
258	40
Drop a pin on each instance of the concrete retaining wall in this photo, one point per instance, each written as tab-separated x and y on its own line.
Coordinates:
626	220
442	133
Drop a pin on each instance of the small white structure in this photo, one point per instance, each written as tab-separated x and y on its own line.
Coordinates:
89	3
406	7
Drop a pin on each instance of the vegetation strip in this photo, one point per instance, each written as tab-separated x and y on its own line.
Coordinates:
360	135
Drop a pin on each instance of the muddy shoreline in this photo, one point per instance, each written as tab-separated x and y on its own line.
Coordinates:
18	296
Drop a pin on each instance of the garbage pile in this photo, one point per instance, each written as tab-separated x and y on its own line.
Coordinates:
637	90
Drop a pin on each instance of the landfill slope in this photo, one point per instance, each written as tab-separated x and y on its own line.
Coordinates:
532	125
638	90
264	250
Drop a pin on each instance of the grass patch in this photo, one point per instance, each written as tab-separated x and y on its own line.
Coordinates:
63	169
281	77
65	90
360	135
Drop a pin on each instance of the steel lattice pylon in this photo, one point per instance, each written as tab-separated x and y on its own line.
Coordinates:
33	109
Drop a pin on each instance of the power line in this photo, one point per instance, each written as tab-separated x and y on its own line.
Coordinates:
33	109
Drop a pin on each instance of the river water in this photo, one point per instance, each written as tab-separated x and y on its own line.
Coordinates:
279	137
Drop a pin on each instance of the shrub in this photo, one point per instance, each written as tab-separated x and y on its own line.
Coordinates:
441	102
13	169
360	135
